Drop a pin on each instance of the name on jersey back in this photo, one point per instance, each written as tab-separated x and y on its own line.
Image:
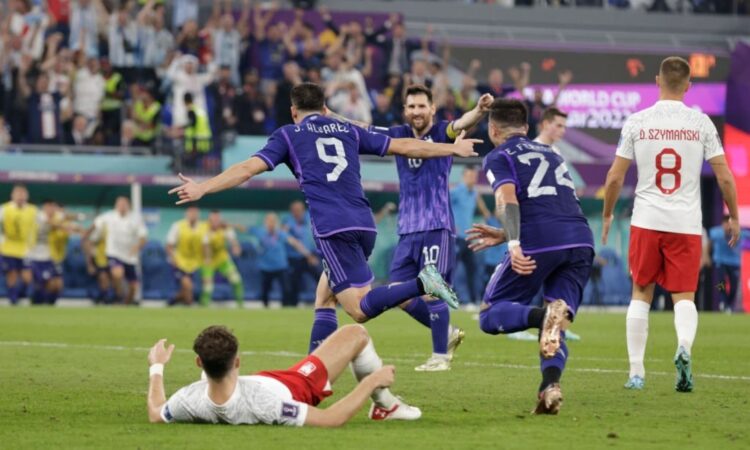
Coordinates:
659	134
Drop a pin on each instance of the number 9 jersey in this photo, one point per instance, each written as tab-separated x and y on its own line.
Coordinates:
669	142
551	216
323	154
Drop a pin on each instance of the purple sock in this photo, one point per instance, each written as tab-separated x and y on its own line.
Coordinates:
417	308
324	325
505	317
13	294
556	362
440	318
384	298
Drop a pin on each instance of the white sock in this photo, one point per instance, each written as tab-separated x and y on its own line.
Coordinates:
636	326
685	323
366	363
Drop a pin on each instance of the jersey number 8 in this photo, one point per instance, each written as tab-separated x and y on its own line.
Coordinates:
674	170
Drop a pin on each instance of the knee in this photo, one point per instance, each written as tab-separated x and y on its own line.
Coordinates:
486	324
359	316
356	333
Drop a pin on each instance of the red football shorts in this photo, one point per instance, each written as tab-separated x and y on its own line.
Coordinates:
307	380
671	260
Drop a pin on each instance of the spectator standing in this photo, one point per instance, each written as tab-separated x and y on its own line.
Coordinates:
146	117
726	262
297	224
44	121
111	105
88	90
383	115
183	72
123	42
270	49
156	41
249	109
464	201
85	16
283	100
184	11
223	93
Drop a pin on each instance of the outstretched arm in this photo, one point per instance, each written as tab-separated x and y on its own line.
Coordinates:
157	358
239	173
417	148
612	187
343	410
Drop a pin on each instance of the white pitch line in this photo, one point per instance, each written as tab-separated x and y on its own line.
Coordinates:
288	354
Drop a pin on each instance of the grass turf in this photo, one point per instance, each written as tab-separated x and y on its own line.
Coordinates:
77	378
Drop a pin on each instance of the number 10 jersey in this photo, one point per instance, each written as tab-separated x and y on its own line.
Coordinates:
551	216
323	154
669	142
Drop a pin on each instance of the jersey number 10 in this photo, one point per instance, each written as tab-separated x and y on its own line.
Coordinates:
674	170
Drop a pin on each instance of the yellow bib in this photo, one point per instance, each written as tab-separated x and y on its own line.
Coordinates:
217	245
19	230
100	251
188	253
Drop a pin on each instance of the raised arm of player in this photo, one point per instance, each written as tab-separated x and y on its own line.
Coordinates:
729	191
340	118
473	116
343	410
159	354
612	187
190	191
508	211
417	148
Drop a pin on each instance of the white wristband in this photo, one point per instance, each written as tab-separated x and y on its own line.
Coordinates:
513	244
156	369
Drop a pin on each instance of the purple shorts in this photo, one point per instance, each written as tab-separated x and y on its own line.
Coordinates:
345	257
415	250
9	263
45	270
130	273
562	273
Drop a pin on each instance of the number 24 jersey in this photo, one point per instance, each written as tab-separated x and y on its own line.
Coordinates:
669	142
551	215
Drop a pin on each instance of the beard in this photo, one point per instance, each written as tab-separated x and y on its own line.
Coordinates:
421	126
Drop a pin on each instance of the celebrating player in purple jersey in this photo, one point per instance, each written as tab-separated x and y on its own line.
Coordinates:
323	154
425	219
533	194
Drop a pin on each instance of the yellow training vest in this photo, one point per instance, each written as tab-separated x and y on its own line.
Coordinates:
217	245
146	115
188	253
109	102
19	230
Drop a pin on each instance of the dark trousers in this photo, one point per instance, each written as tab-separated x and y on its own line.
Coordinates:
466	257
298	268
729	277
266	282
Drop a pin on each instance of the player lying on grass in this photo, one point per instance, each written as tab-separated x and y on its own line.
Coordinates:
277	397
549	244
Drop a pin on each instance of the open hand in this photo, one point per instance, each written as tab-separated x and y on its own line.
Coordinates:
606	225
160	353
481	236
734	232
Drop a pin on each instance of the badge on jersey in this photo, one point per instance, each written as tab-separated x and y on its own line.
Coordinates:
289	410
307	368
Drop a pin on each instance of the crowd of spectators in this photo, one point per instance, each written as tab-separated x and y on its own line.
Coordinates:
102	72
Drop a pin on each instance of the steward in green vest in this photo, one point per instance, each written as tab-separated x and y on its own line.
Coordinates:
197	133
111	106
146	116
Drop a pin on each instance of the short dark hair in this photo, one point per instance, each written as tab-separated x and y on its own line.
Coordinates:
674	73
509	113
418	89
308	97
187	98
216	346
550	113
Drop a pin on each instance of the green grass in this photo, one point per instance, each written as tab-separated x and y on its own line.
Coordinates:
90	393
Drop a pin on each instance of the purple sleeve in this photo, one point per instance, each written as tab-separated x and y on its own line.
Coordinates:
371	143
499	170
276	150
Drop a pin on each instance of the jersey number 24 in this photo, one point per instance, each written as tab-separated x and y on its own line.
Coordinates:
535	188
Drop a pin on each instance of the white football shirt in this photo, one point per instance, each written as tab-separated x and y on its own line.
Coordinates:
669	142
255	400
123	234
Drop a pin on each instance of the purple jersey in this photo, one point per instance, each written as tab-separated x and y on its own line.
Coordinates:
424	200
551	216
323	154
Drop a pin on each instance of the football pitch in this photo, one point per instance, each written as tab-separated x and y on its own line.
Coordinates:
77	378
